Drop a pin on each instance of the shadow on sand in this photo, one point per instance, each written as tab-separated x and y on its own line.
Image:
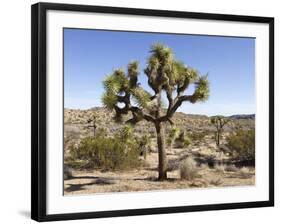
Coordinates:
98	181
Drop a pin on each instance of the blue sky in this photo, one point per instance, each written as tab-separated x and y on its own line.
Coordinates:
90	55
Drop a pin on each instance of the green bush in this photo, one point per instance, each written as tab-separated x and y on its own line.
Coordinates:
197	136
242	144
101	132
187	141
172	135
109	153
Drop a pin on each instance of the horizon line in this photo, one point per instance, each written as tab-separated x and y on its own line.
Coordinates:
176	112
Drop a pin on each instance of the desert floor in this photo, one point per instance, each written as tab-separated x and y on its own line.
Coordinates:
145	178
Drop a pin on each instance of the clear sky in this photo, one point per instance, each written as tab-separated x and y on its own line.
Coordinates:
90	55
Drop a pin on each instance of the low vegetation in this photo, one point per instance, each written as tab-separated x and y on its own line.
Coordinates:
96	152
107	153
189	169
242	144
197	136
183	140
173	134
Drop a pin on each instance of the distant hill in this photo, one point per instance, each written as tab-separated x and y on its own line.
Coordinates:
76	118
242	116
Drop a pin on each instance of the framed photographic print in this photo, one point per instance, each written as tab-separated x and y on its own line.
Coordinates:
140	111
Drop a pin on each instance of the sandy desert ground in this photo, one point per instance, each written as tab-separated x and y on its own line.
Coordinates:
145	178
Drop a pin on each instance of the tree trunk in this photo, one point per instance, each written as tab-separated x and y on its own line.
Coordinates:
171	145
162	163
219	138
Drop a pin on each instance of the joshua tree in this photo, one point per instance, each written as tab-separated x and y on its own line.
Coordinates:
92	122
218	122
174	133
165	74
126	133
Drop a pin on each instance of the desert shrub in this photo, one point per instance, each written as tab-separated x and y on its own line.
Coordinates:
216	182
183	140
231	168
244	170
172	135
187	141
67	172
143	144
242	144
101	132
188	169
125	134
197	136
109	153
220	168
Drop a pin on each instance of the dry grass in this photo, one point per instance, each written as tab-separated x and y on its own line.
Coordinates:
189	169
216	182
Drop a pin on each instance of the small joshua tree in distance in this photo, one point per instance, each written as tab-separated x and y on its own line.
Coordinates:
219	122
165	74
92	122
173	134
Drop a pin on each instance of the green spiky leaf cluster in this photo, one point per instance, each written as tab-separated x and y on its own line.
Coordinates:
141	97
118	84
219	121
201	92
109	100
165	74
114	84
183	76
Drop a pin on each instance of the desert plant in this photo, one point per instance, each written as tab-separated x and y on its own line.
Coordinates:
244	170
188	169
231	168
125	133
187	141
144	143
67	172
216	182
165	75
242	144
179	141
197	136
105	153
173	134
182	140
219	122
101	132
92	122
220	168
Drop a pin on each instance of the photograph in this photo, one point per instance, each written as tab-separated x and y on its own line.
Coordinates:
149	111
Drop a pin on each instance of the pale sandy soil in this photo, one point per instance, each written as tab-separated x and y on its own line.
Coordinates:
144	179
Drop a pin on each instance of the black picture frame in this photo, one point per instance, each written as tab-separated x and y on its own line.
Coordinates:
39	122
